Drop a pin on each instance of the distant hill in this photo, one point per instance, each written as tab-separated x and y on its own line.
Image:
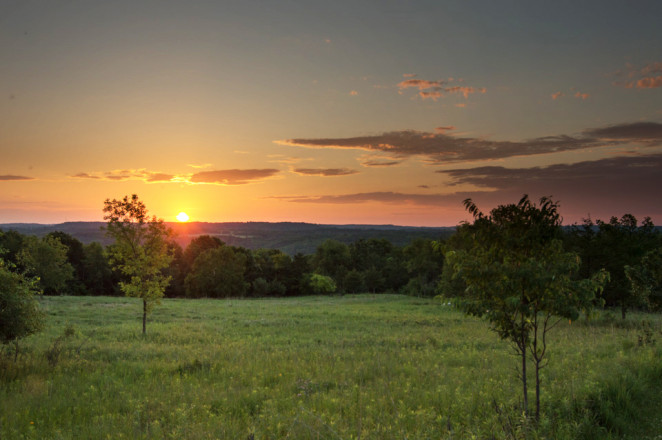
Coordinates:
288	237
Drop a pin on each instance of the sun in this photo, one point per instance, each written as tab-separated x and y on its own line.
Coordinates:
182	217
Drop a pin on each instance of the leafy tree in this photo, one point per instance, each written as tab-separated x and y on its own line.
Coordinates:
199	245
354	282
322	284
620	243
424	263
140	251
75	256
20	315
332	259
12	242
646	279
97	274
217	273
520	279
46	259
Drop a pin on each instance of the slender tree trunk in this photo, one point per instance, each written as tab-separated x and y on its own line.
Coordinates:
144	316
16	351
525	392
537	390
623	310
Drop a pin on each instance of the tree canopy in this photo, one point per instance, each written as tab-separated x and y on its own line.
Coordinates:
140	251
518	277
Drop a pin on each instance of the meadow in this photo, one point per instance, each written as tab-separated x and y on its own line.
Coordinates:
341	367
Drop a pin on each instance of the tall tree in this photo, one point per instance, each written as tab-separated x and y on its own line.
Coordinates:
140	251
519	278
217	273
46	259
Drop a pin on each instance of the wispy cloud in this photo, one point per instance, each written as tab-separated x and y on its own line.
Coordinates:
440	148
647	133
325	172
581	95
556	95
388	197
7	177
644	78
204	165
380	163
85	176
233	177
436	89
160	177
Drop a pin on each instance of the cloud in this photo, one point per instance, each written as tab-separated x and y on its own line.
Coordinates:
650	82
353	93
601	188
435	89
7	177
326	172
556	95
640	78
465	91
430	95
440	148
160	177
380	163
233	177
84	176
387	197
648	133
583	96
420	84
204	165
408	75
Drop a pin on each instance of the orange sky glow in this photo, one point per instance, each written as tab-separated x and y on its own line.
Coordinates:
378	113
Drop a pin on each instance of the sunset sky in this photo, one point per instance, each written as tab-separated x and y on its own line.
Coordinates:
380	112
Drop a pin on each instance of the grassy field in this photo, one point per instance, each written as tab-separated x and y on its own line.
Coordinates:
351	367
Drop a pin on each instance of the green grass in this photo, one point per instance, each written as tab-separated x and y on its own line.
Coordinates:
363	366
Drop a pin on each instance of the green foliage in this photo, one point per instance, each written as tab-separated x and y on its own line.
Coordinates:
332	259
20	315
646	280
46	259
613	245
518	277
140	251
97	273
217	273
322	284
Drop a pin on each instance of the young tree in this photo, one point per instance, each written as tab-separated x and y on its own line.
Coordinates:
519	278
140	251
19	311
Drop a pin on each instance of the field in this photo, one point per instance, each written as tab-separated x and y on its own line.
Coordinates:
363	366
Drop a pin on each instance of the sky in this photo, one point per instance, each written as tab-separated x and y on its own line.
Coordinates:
337	112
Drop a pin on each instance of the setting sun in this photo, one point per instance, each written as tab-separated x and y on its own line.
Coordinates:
182	217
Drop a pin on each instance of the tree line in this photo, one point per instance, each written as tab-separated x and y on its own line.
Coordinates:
626	248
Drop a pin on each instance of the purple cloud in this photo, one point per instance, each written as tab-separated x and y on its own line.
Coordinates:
440	147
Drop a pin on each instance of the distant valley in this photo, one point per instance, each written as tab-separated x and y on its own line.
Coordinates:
289	237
